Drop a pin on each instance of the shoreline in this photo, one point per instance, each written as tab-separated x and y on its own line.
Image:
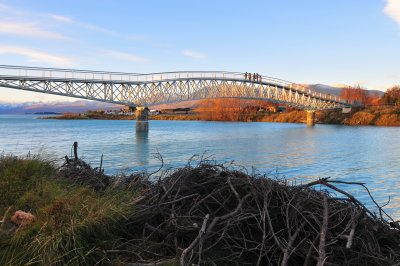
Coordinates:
359	116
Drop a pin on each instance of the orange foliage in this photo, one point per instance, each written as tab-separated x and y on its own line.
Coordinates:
95	111
358	94
230	109
391	96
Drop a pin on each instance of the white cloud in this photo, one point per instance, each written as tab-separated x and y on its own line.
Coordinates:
37	56
129	57
194	54
10	10
61	18
97	28
23	28
112	33
392	76
392	9
81	24
27	29
360	83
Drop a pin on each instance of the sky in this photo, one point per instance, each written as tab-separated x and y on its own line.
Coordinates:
352	42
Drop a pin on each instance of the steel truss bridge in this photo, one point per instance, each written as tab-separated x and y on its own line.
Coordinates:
159	88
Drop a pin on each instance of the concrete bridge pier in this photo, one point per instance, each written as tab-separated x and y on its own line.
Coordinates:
311	118
142	122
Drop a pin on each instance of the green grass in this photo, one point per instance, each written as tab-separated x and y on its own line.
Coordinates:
73	225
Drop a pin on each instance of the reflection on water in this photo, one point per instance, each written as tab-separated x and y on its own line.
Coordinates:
359	154
142	148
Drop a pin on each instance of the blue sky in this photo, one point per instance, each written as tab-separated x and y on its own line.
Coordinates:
312	41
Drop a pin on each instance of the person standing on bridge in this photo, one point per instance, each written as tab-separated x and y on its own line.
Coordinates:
245	75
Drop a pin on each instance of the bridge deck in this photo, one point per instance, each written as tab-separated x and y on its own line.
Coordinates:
106	85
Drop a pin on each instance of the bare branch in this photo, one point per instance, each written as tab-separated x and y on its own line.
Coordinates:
322	237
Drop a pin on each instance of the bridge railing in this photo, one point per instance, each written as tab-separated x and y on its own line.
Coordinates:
98	76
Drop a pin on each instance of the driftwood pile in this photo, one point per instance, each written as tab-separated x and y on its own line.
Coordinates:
210	215
83	174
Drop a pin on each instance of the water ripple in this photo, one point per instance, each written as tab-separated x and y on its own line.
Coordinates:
300	153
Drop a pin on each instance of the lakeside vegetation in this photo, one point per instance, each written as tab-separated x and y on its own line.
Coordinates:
379	115
372	110
73	223
95	115
203	213
364	116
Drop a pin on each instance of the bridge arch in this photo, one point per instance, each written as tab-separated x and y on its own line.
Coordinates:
135	89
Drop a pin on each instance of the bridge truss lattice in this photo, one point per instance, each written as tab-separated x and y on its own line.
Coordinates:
158	88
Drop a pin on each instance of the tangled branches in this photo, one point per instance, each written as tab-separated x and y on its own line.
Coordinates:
83	174
209	214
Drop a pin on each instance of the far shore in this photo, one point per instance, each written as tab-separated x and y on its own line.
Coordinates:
359	116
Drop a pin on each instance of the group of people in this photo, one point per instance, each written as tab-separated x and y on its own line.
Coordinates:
254	77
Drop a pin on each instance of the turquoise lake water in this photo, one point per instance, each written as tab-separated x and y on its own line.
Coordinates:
294	151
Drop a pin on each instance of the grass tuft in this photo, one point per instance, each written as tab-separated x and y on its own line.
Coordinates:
73	225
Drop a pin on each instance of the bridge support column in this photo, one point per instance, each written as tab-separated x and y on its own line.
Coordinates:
142	122
310	118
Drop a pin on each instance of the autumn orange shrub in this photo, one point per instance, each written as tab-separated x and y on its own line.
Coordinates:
391	96
359	94
288	117
230	109
361	118
388	120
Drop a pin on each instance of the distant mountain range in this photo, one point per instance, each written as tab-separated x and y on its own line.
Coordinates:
82	105
335	90
57	107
